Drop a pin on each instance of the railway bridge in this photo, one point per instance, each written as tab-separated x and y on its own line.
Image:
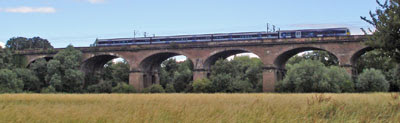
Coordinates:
145	60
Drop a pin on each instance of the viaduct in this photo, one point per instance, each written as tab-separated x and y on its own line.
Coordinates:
145	60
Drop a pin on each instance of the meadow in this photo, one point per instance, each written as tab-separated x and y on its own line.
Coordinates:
200	108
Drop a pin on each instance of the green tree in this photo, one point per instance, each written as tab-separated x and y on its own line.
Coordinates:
179	75
372	80
170	88
313	76
123	88
386	36
9	82
39	67
155	88
30	80
63	71
202	85
22	43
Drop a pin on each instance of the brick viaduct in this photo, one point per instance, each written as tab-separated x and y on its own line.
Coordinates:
144	60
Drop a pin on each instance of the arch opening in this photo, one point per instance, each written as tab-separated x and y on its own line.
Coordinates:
46	58
106	69
235	70
293	56
173	69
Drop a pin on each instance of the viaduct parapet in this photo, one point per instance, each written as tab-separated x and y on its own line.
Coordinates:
145	60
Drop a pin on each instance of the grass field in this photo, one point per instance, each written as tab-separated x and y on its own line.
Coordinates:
200	108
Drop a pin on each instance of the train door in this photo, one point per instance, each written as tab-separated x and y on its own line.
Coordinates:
298	34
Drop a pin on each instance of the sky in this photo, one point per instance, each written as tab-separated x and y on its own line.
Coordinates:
80	22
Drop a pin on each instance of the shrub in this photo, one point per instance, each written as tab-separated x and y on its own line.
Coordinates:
156	88
169	88
372	80
49	89
9	82
123	88
102	87
313	76
341	78
202	85
242	86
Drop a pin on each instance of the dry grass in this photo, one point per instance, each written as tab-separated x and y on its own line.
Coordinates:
204	108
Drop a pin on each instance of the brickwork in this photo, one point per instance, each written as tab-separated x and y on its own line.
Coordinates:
144	60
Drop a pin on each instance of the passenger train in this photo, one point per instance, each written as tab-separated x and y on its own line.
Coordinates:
307	33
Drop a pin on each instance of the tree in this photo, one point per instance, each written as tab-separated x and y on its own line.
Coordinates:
155	88
30	80
202	85
39	68
63	71
9	82
386	36
22	43
179	75
323	56
372	80
313	76
123	88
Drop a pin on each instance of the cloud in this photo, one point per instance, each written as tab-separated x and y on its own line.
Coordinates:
29	10
96	1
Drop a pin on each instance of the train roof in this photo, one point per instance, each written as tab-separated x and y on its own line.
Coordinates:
215	34
188	36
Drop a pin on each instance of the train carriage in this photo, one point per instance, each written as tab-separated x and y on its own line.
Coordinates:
306	33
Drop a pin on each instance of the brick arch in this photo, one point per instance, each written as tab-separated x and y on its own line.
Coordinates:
94	62
281	60
356	55
225	53
150	64
285	55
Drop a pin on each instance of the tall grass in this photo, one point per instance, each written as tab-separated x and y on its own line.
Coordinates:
204	108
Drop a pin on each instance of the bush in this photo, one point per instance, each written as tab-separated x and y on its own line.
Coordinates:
102	87
313	76
156	88
123	88
169	88
341	78
49	89
242	86
372	80
202	85
9	82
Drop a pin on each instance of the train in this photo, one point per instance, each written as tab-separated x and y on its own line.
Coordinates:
305	33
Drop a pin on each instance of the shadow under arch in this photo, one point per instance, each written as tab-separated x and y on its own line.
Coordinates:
356	56
151	65
47	58
281	60
221	55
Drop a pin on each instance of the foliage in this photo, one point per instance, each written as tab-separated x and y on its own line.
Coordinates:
122	87
155	88
102	87
22	43
323	56
202	85
179	75
9	82
386	23
63	71
379	60
6	61
241	74
313	76
372	80
169	88
49	89
31	82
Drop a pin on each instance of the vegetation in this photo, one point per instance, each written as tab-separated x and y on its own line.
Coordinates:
193	108
313	76
22	43
372	80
